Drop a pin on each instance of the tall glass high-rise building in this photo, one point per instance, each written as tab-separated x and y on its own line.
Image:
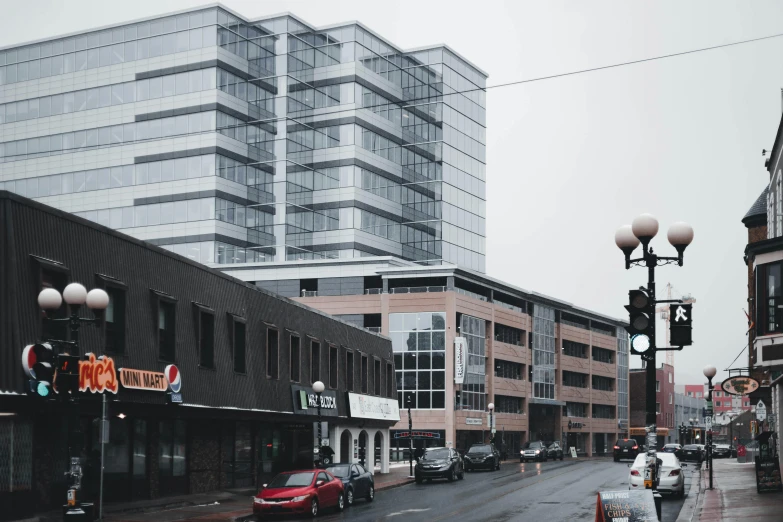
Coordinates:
240	141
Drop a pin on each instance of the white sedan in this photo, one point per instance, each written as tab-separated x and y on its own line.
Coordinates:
671	481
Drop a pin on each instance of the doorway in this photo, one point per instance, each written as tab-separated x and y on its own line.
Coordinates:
345	447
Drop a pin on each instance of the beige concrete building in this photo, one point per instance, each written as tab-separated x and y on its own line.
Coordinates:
554	371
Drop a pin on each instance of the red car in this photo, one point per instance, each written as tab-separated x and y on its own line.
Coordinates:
300	492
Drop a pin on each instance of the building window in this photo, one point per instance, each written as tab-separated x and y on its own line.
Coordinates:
349	371
206	339
509	335
272	353
474	393
166	330
575	380
419	344
296	359
364	373
717	404
602	383
508	370
576	409
603	411
114	317
770	297
670	399
315	361
239	346
332	366
543	352
172	455
671	376
657	386
658	408
505	404
602	355
389	380
574	349
376	377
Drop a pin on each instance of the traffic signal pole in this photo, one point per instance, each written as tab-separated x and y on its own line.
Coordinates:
652	414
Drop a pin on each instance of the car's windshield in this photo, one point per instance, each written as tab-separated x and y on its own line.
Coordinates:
291	480
626	443
480	449
340	470
553	445
691	447
532	445
438	453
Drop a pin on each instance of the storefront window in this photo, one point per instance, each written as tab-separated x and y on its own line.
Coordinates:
139	448
116	459
771	298
172	460
474	395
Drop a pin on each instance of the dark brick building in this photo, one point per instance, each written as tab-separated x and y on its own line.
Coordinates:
247	360
664	399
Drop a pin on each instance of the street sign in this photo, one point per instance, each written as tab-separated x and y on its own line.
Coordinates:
708	422
761	411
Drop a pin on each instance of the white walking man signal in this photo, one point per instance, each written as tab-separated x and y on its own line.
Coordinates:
680	315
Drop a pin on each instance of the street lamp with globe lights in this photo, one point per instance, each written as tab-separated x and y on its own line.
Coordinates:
491	407
709	373
318	388
627	238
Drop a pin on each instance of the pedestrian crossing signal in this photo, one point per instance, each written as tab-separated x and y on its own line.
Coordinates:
681	324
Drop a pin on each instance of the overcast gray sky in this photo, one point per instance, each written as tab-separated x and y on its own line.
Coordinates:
571	159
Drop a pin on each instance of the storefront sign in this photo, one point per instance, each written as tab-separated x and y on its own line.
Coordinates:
417	435
306	401
740	385
460	349
369	407
472	421
174	398
143	380
97	375
174	377
625	506
768	475
572	425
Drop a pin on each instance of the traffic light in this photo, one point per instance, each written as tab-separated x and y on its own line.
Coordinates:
680	325
67	374
642	321
37	362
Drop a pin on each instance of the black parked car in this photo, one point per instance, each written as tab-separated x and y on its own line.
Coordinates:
439	463
554	451
721	451
484	456
357	481
692	453
533	450
674	448
626	449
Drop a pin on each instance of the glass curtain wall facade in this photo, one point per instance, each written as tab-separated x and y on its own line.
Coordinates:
328	143
474	391
419	345
543	352
622	378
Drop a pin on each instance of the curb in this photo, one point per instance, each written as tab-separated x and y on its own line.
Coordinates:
392	485
691	506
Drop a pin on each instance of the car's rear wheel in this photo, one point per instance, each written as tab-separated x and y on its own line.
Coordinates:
340	502
371	493
349	497
314	507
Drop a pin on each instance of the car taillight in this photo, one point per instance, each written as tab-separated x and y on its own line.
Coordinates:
674	472
635	473
617	447
636	447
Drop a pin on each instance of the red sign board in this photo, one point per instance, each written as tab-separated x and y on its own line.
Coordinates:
97	375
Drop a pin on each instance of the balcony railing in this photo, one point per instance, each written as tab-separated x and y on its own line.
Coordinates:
417	289
309	293
468	293
574	324
373	291
376	329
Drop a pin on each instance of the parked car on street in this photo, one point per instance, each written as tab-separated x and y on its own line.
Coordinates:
671	478
484	456
300	492
554	451
692	453
439	463
703	448
673	448
721	451
533	450
626	449
357	481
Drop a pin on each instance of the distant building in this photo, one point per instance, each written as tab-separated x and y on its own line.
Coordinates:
664	399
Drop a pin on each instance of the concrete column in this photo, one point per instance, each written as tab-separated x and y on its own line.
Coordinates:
369	452
334	438
589	444
385	450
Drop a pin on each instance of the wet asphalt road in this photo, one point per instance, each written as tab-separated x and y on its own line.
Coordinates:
543	491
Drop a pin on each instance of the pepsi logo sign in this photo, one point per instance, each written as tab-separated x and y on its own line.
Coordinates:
174	378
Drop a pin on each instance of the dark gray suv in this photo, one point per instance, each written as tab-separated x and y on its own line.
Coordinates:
484	456
533	450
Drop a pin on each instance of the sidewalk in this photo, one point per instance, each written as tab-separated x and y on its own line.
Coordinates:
734	496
